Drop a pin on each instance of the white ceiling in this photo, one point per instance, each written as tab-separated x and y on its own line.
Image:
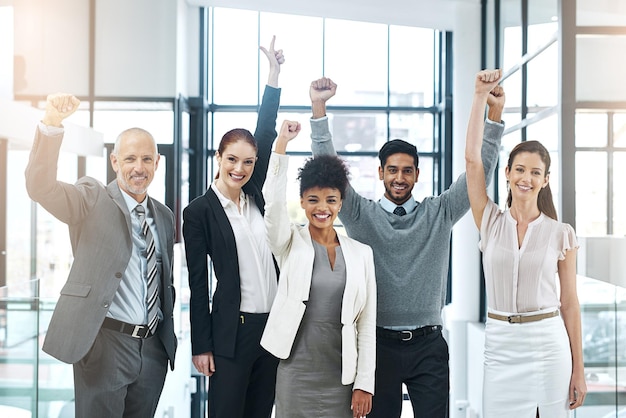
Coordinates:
435	14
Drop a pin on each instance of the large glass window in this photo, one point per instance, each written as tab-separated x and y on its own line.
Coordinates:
386	77
600	150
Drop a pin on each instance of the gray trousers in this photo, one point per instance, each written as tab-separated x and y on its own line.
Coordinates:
120	377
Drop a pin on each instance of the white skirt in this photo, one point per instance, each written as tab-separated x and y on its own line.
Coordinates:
527	366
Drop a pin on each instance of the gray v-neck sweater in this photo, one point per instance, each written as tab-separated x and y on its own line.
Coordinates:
411	252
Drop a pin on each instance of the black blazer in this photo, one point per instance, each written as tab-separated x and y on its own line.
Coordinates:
207	231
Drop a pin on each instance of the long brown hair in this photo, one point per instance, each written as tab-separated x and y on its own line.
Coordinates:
544	199
234	135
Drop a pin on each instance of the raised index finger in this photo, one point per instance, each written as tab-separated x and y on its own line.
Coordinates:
272	43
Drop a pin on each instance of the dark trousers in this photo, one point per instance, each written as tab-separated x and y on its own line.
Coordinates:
244	386
120	376
421	363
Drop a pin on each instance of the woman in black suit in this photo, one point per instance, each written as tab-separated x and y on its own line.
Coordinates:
226	223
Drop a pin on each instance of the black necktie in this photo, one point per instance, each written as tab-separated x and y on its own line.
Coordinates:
399	211
153	284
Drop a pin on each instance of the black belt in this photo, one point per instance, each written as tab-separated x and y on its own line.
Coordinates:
135	331
252	318
407	335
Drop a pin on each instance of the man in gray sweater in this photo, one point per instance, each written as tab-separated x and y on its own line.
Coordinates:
411	243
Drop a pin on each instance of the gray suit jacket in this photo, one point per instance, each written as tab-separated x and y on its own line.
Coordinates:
100	232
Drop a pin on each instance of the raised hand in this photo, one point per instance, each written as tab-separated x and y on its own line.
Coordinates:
275	58
496	97
288	131
486	80
59	106
495	101
322	89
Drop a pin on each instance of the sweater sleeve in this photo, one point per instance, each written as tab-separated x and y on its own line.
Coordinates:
321	139
456	197
322	144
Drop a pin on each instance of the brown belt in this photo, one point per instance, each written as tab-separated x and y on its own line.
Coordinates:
520	319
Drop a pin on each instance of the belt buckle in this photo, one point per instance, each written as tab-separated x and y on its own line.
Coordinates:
409	337
136	330
515	319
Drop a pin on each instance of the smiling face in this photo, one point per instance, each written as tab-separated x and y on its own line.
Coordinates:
134	160
399	176
527	176
321	206
236	165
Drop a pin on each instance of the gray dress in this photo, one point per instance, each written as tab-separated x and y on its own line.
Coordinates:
308	383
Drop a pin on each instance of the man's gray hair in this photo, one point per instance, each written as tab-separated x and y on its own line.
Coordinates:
131	132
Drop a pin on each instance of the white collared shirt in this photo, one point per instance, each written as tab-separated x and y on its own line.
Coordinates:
389	206
256	265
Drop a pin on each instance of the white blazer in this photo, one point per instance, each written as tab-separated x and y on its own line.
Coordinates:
293	249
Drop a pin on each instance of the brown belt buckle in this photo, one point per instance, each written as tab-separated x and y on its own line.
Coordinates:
515	319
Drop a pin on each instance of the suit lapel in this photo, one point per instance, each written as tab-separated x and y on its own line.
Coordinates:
222	221
160	223
116	194
352	286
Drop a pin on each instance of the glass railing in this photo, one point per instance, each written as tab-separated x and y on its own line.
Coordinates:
32	384
603	311
36	385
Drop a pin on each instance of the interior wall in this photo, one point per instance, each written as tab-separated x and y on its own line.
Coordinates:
6	52
135	50
187	54
51	46
598	65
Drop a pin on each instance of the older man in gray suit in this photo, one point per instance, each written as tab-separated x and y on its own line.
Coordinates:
113	320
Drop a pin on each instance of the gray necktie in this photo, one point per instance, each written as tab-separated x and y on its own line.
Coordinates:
399	211
151	277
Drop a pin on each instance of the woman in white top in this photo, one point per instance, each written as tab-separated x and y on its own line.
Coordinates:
323	321
533	350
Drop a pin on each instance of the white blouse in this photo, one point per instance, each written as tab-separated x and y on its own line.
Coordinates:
256	265
522	278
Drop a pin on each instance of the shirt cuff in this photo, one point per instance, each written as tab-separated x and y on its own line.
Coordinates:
501	123
322	118
50	130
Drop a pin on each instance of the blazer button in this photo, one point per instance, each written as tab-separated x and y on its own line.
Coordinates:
105	304
118	275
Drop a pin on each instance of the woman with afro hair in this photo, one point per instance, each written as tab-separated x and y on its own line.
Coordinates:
322	324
